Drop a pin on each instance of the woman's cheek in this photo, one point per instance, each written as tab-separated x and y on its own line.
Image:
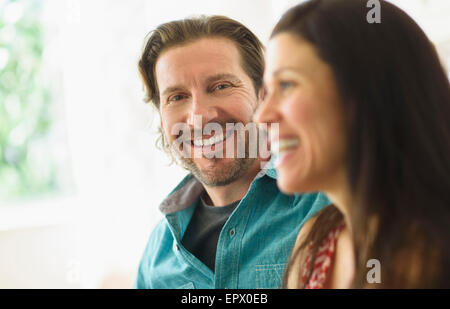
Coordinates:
299	110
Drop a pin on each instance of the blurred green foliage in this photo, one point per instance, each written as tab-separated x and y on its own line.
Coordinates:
26	165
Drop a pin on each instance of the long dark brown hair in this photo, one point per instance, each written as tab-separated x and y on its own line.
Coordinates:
396	99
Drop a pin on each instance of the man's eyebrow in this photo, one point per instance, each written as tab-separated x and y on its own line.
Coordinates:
210	79
172	89
222	76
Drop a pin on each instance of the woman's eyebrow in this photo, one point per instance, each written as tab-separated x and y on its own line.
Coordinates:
287	69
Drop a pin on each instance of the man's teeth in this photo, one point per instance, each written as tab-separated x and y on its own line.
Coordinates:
284	144
209	141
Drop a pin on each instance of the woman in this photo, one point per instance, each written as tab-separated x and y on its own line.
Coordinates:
364	116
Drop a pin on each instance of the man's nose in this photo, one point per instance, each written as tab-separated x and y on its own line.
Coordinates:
201	112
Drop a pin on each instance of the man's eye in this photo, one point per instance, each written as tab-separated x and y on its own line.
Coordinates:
222	86
175	98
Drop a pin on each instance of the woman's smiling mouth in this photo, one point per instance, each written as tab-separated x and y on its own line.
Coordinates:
282	147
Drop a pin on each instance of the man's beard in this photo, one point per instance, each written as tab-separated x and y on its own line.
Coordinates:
228	172
226	175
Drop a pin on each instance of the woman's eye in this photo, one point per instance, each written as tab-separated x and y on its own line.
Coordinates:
285	85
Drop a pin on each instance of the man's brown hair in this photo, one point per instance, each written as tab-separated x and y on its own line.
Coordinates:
180	32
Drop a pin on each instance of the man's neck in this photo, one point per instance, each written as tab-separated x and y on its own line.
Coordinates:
225	195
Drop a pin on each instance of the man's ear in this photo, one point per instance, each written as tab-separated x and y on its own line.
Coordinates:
161	129
163	138
261	94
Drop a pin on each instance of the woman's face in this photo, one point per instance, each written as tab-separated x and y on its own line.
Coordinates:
302	97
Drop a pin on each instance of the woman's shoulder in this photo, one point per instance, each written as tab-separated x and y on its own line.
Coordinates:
342	272
308	226
304	231
330	240
294	273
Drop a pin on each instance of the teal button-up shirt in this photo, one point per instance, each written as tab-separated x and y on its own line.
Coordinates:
253	247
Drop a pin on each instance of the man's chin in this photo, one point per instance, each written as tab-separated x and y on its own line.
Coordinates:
219	172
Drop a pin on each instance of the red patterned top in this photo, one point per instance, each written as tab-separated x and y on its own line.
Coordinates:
324	257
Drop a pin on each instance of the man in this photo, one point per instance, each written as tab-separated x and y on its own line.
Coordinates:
226	224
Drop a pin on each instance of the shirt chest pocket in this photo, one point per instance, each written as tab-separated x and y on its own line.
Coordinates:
269	276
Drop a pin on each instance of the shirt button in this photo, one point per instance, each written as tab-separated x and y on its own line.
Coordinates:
232	232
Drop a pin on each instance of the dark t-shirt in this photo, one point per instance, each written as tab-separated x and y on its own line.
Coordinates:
202	233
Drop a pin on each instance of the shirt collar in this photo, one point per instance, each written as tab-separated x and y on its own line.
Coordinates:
189	190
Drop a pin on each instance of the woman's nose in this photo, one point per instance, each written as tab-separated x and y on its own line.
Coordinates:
267	111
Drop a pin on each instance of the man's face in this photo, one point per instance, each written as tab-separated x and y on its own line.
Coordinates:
204	81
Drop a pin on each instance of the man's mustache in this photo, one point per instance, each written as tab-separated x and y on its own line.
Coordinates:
211	128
